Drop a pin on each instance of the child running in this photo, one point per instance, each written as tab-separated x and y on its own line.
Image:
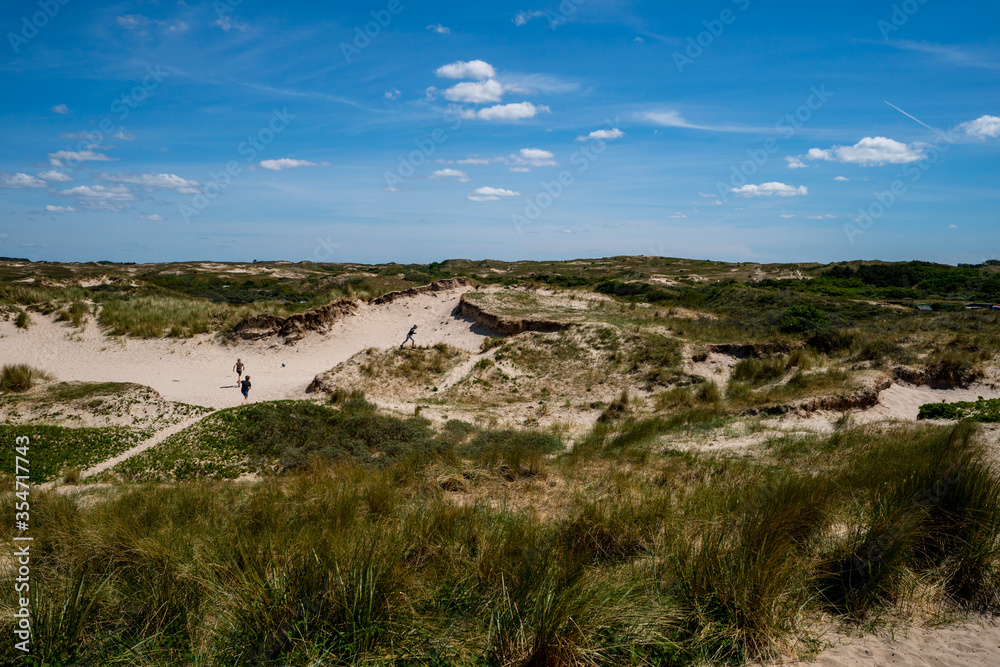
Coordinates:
409	337
238	367
245	388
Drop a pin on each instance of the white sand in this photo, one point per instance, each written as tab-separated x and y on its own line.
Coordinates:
199	370
903	401
972	644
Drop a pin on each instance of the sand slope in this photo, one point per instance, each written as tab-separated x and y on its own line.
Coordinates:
973	644
198	370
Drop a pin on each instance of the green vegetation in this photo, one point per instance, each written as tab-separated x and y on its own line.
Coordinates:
55	448
644	555
20	377
982	410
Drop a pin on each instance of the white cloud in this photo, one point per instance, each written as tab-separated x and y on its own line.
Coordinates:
132	21
431	93
536	157
140	23
523	17
678	216
667	118
515	111
59	209
768	189
820	217
448	173
123	135
439	29
154	216
55	176
795	162
708	196
952	226
490	194
20	180
227	23
61	109
112	193
613	133
392	94
476	92
472	69
870	151
520	170
479	160
787	215
57	158
392	189
287	163
165	181
842	179
982	127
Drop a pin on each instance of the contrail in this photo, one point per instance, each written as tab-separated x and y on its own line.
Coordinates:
937	132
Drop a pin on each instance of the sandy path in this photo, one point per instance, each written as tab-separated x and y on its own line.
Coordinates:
159	437
198	370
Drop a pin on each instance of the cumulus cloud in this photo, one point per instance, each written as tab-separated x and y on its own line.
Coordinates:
476	92
59	209
57	158
490	194
507	112
982	128
769	189
392	94
439	29
123	135
472	69
55	176
842	179
613	133
287	163
149	180
952	226
153	216
523	17
61	109
870	151
795	162
536	157
20	180
100	192
451	173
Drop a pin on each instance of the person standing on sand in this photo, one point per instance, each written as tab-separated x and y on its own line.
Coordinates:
409	337
238	367
245	388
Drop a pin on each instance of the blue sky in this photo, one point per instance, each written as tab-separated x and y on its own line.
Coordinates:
397	130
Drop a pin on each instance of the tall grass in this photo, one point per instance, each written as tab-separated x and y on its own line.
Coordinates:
21	377
609	558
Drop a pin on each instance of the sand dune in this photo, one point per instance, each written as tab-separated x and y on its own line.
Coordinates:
198	370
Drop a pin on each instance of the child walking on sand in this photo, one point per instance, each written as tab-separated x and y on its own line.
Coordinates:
245	388
409	337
